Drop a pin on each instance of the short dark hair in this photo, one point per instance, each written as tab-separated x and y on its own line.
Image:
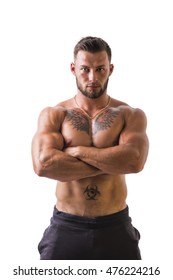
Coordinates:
93	45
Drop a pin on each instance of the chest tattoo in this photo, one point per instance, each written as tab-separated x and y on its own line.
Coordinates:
78	120
104	120
91	192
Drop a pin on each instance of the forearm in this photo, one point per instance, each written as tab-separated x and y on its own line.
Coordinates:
62	167
113	160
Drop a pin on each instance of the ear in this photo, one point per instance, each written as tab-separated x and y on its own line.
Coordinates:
111	69
72	68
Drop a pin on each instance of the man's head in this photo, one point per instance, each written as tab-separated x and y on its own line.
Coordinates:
92	45
92	67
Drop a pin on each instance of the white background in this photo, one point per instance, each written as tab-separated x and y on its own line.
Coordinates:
37	41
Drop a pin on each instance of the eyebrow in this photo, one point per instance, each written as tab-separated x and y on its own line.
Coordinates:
99	66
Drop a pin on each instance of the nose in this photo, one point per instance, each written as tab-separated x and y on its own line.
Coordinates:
92	76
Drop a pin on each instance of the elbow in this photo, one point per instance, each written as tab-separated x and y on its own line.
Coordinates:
39	170
41	166
44	167
138	167
140	157
138	164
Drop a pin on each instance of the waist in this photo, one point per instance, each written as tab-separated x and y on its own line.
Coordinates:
89	222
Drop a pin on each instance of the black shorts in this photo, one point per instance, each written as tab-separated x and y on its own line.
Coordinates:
72	237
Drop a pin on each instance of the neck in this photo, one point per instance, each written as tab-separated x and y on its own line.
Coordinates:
93	107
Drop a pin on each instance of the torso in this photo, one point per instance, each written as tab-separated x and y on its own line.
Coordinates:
103	194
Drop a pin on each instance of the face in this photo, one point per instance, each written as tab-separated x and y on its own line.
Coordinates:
92	71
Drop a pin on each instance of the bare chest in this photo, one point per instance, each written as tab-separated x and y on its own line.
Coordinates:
102	131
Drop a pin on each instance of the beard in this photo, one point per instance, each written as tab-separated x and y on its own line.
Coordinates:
95	93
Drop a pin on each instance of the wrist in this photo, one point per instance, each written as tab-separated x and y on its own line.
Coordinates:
78	152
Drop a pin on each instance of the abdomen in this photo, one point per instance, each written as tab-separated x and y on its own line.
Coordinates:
102	195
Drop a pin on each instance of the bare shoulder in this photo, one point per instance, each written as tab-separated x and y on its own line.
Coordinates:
51	113
117	103
135	117
134	129
50	118
69	103
135	120
58	110
130	114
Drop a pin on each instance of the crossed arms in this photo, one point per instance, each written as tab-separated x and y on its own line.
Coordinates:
51	160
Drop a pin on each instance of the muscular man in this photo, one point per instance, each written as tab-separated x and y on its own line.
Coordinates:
87	144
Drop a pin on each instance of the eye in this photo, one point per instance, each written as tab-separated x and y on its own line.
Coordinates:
100	69
85	69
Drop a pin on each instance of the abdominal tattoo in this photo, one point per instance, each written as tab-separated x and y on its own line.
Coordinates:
91	192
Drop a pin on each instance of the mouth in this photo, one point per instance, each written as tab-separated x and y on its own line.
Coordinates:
93	86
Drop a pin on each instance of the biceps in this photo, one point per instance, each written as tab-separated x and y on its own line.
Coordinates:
137	141
52	141
44	144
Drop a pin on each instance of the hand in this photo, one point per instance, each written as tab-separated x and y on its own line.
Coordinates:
71	151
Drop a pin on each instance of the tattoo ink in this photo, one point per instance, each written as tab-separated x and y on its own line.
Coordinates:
91	192
78	121
105	120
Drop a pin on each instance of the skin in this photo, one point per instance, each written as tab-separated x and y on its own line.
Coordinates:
88	149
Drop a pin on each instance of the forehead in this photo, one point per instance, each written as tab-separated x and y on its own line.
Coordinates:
92	59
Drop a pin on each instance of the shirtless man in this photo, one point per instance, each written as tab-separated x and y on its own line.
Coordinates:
87	144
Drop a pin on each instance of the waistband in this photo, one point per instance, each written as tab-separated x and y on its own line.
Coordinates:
91	222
